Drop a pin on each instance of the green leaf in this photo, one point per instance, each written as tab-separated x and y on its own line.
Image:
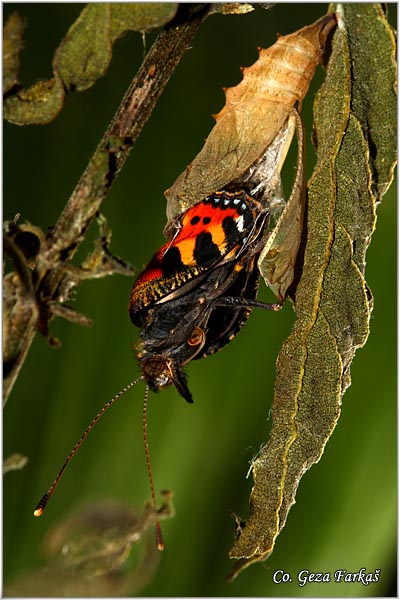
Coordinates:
333	301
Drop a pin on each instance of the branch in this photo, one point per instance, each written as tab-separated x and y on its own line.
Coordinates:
30	305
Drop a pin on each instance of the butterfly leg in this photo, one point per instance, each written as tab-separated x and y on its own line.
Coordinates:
237	302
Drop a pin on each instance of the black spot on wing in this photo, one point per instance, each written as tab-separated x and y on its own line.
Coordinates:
205	250
171	261
230	229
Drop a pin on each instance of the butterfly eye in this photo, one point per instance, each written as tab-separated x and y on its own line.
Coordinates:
197	337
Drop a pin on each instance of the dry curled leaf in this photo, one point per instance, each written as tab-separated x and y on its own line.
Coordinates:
28	305
20	309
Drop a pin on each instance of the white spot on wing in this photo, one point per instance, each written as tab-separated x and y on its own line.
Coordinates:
240	223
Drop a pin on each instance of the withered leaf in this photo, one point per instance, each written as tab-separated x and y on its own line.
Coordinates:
231	8
333	301
13	33
82	57
20	316
37	105
14	462
139	16
85	52
88	552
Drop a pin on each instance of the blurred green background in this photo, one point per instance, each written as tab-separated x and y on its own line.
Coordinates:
345	515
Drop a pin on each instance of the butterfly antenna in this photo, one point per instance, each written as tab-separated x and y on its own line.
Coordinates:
45	499
159	536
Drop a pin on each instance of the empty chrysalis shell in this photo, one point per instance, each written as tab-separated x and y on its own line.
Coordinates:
251	138
255	111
